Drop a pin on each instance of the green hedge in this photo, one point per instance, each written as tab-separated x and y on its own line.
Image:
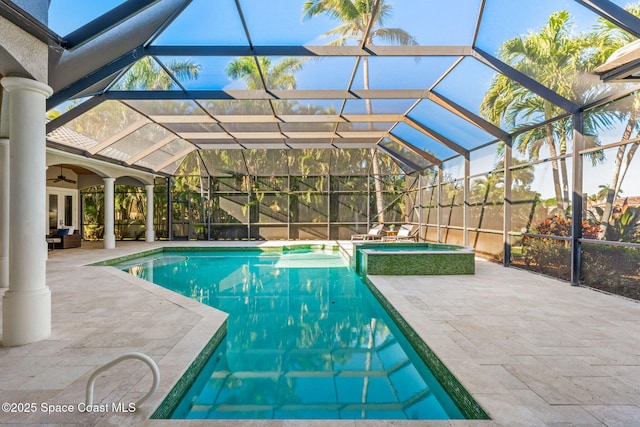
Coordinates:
612	269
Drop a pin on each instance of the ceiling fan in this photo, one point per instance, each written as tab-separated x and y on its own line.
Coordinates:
61	177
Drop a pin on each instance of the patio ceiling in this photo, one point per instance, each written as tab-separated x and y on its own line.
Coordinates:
419	103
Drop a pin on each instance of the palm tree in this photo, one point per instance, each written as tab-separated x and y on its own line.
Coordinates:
256	73
102	121
553	58
129	209
355	16
611	38
146	74
276	76
92	212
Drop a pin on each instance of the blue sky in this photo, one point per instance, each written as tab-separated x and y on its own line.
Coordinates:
279	22
430	21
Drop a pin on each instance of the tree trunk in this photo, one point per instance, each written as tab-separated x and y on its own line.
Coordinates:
369	362
625	165
556	174
375	163
615	177
564	174
377	185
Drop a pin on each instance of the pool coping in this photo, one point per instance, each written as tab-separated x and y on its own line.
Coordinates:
275	248
456	391
171	401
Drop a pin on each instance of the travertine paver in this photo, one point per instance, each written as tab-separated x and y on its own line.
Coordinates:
98	314
531	350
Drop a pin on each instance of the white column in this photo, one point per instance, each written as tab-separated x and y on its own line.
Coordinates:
26	309
4	212
109	213
150	234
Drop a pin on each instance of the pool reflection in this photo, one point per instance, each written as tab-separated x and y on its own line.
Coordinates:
305	339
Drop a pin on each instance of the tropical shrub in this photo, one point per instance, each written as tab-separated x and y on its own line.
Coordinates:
559	226
612	269
623	226
553	256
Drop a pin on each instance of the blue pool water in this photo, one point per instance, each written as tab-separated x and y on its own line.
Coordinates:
306	340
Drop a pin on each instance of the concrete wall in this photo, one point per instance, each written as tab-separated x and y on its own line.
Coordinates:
22	54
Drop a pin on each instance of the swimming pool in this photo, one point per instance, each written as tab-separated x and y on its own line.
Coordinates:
305	339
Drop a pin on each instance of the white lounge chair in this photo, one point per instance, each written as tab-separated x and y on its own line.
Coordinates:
375	233
407	232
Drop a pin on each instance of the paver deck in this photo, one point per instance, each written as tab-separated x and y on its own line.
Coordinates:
531	350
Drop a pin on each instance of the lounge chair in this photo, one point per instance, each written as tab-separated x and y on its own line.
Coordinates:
375	233
407	232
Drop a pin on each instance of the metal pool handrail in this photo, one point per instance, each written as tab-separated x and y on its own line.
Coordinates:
133	355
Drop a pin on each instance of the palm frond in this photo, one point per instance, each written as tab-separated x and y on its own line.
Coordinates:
396	36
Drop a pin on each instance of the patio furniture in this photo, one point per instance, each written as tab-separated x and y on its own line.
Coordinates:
374	233
407	232
64	240
52	241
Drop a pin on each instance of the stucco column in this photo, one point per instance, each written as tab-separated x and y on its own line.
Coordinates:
109	213
4	212
150	234
26	309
